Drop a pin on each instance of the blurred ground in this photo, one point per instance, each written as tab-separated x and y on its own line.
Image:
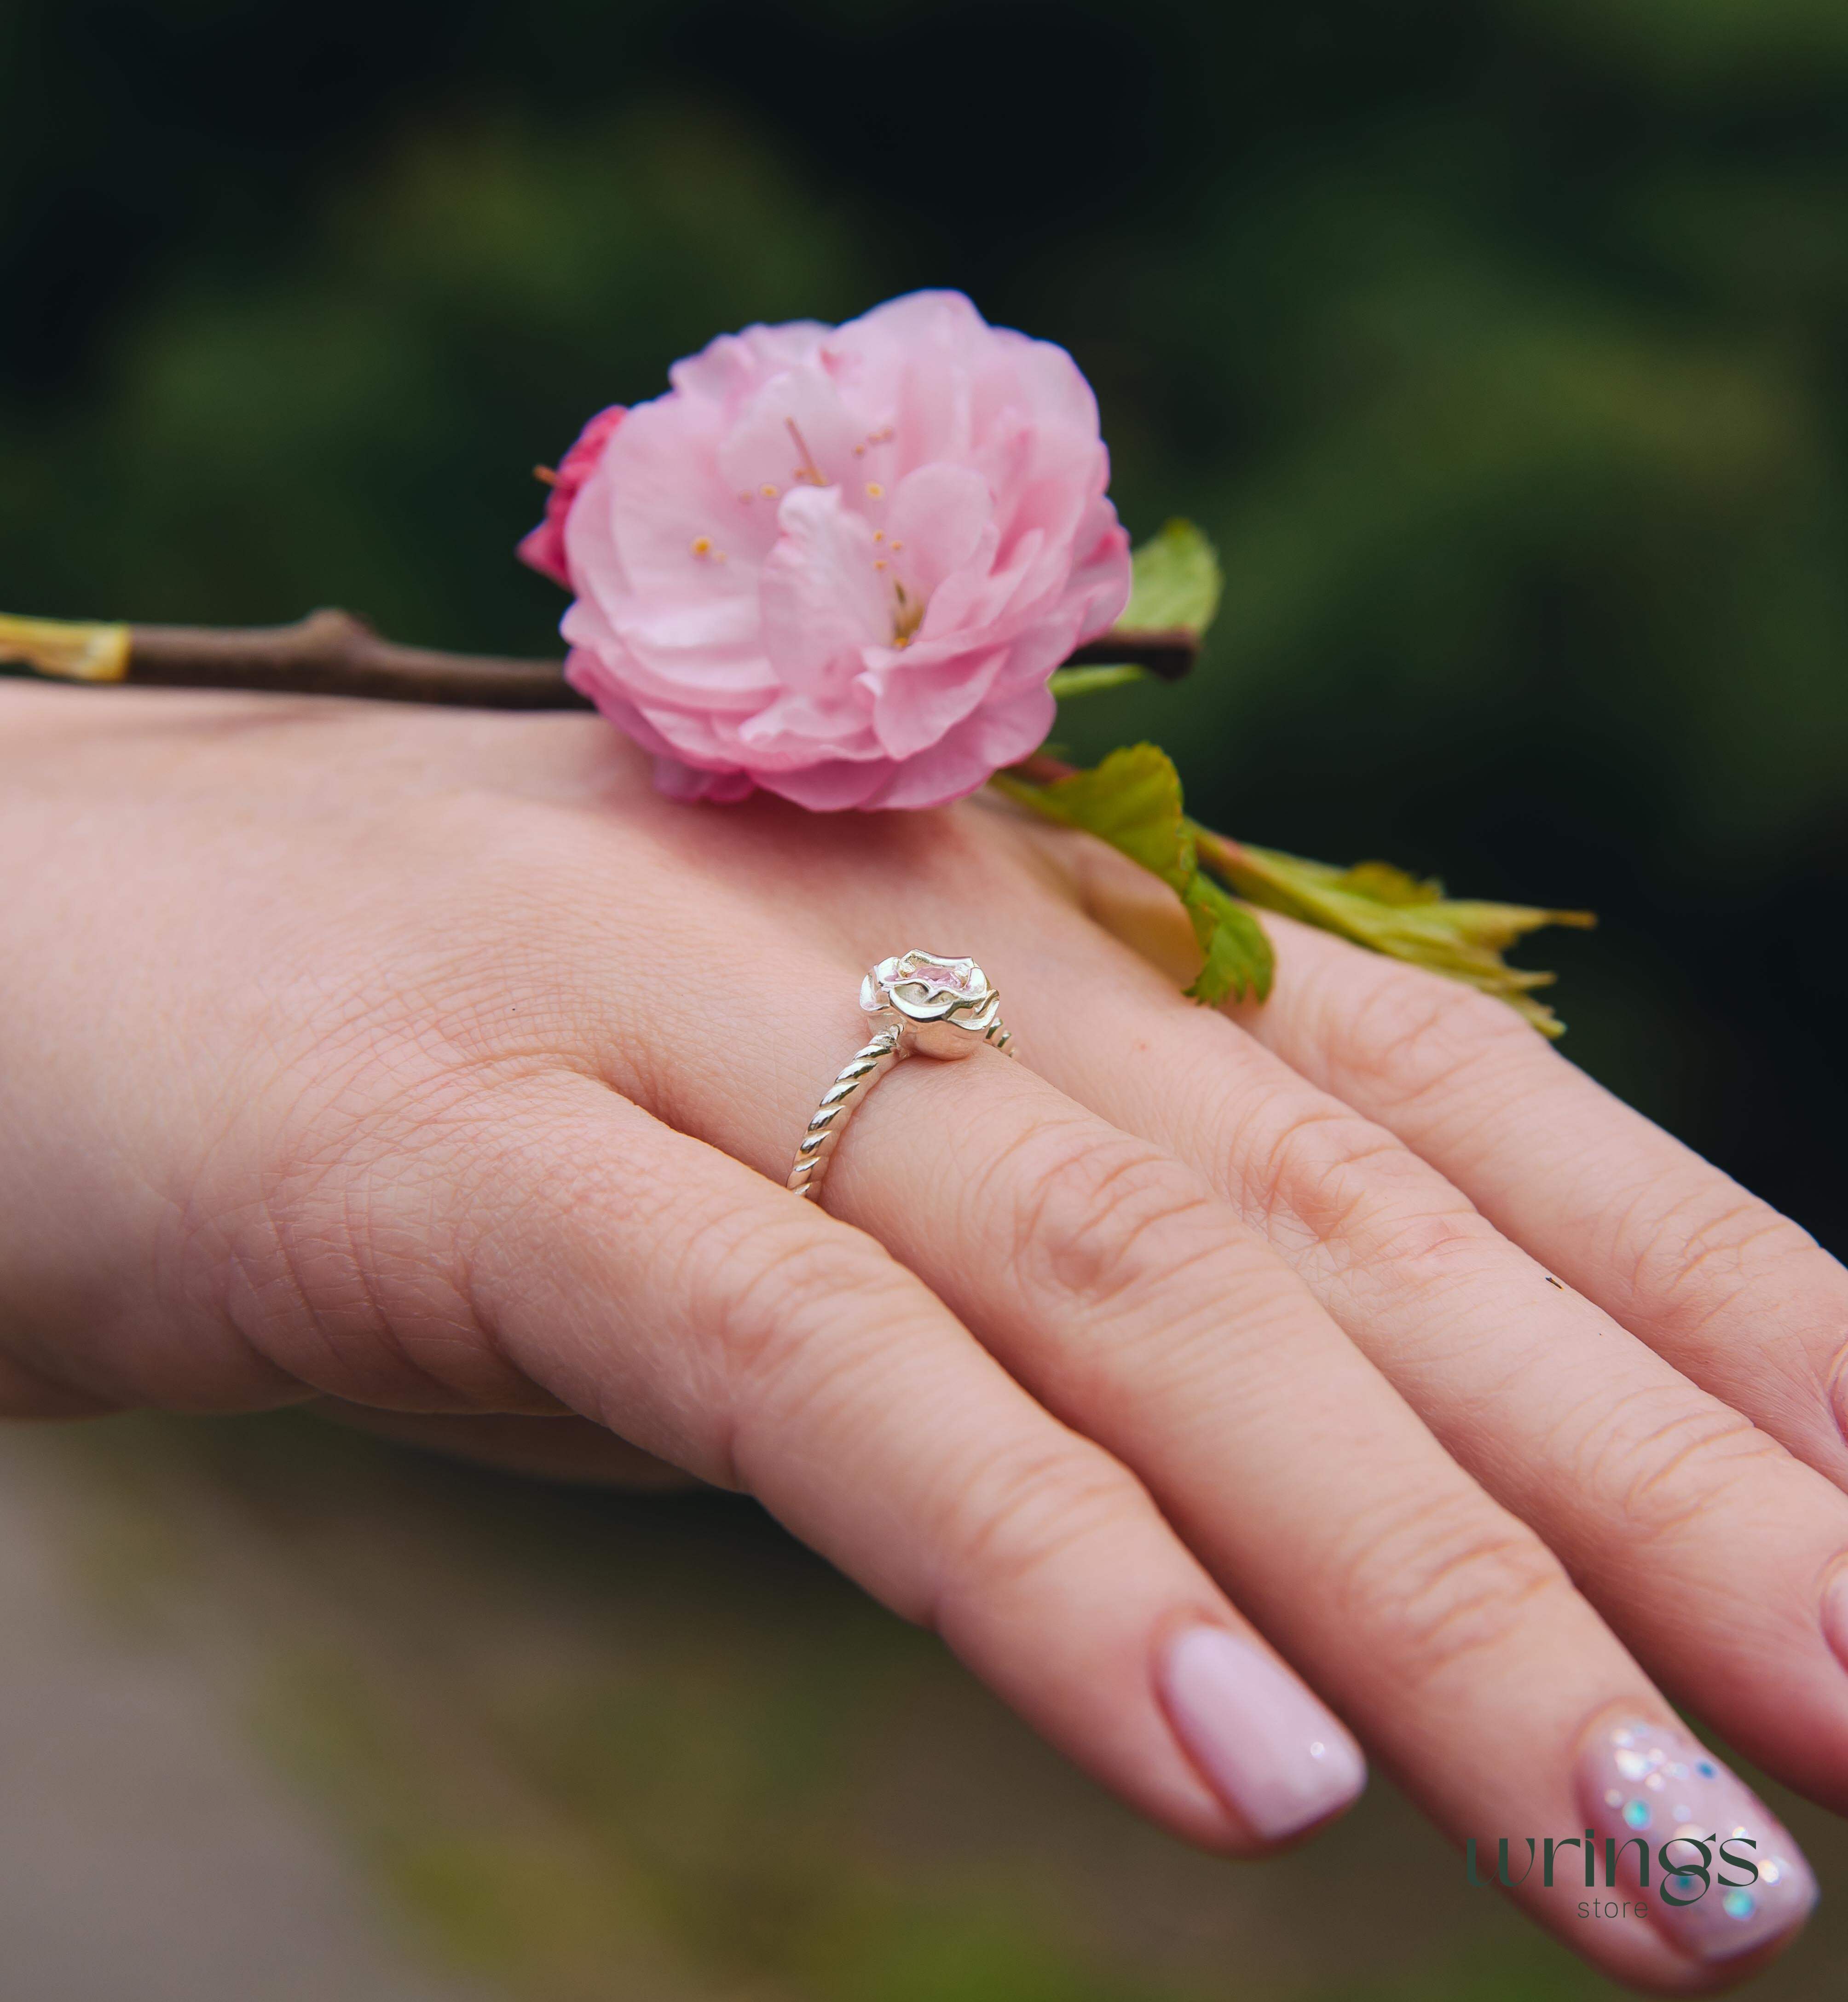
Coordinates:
146	1848
287	1713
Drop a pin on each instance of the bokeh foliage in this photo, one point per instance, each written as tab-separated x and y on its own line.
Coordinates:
1499	346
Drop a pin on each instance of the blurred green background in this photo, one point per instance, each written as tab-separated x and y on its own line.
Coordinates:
1501	348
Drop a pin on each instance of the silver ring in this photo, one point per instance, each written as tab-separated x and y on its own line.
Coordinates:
926	1003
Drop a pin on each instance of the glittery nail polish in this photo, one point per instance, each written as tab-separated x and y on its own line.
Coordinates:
1735	1879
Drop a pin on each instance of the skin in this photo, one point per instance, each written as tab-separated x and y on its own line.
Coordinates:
428	1064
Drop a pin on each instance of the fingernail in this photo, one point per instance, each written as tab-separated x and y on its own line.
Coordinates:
1276	1757
1723	1876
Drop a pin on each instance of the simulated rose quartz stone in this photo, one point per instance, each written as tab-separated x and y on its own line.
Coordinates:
950	979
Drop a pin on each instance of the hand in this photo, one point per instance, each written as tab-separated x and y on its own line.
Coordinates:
429	1063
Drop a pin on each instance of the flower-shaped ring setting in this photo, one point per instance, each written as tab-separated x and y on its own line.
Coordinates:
932	1004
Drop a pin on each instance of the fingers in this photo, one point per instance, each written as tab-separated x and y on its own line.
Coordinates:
562	1448
1137	1307
688	1305
384	1185
1733	1294
25	1393
1706	1544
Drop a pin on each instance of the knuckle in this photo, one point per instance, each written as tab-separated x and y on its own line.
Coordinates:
510	855
1302	1168
465	978
1697	1253
1329	1178
771	1285
1030	1510
942	847
1096	1215
1447	1582
1671	1457
1422	1245
348	1257
1412	1030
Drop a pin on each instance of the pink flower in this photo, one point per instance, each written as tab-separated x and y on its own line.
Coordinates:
842	563
543	548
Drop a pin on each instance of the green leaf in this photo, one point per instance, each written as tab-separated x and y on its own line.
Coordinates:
1383	908
1176	581
1133	801
1239	958
1386	883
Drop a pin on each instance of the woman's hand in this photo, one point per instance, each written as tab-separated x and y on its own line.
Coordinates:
428	1063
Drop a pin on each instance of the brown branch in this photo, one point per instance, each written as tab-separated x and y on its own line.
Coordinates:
1168	655
1042	769
333	653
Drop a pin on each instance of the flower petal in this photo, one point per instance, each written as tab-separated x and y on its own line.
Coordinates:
742	637
940	516
821	600
543	548
730	368
795	431
916	702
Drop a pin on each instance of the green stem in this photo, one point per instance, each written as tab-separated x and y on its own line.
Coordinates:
1068	681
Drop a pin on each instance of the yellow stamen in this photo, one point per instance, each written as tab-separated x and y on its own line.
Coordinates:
910	615
545	476
808	469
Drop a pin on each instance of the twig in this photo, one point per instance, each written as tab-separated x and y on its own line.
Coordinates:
1168	654
334	653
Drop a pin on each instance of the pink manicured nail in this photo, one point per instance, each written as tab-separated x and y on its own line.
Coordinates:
1274	1755
1740	1879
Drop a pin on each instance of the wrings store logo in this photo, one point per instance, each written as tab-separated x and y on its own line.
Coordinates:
1680	1880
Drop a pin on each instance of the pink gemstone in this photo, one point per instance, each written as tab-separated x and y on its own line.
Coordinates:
940	976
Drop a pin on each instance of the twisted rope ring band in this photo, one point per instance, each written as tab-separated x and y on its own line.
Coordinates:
925	1003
